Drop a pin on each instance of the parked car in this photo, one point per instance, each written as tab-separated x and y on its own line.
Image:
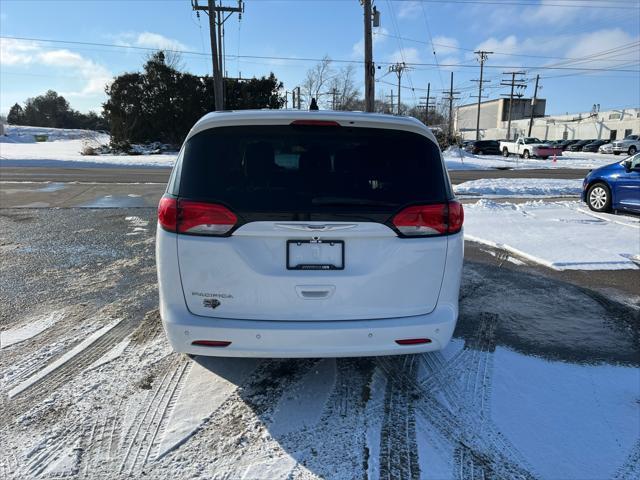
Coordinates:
614	187
309	234
606	148
565	143
630	144
577	146
528	147
483	147
594	146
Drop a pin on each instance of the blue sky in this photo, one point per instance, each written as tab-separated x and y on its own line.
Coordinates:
525	34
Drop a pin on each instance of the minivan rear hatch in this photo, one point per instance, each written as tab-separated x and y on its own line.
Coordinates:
309	232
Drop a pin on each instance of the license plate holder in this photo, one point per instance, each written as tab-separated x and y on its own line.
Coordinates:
315	254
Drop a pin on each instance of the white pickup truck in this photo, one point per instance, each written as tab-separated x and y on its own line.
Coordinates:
528	147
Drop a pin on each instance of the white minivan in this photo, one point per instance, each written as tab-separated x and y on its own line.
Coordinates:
288	233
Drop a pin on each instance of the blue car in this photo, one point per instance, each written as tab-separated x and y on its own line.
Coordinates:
614	187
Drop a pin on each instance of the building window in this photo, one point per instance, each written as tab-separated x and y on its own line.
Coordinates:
613	134
628	132
614	116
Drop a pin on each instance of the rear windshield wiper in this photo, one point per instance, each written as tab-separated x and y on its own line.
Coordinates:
365	202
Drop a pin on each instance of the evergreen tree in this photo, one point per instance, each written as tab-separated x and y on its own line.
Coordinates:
16	115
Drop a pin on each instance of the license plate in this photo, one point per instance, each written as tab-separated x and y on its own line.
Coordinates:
315	254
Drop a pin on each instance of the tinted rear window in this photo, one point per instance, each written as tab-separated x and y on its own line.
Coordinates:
314	169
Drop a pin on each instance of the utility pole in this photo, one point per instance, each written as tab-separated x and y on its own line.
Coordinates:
216	33
427	101
398	68
334	93
286	99
451	96
482	57
371	17
298	97
514	83
533	105
391	96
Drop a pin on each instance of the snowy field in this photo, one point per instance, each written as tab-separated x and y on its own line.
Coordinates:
559	235
19	147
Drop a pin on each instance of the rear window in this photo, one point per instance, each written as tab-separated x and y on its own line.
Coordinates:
312	169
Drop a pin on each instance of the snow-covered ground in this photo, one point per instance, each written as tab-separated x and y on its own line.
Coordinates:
540	381
63	148
458	159
520	187
560	235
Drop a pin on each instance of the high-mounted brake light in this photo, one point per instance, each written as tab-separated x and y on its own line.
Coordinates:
316	123
196	218
425	220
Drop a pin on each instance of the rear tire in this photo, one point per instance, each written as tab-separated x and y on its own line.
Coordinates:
505	152
599	197
480	152
632	150
544	158
526	154
616	153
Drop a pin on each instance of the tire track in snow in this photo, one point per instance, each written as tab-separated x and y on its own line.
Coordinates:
74	365
452	409
398	444
142	436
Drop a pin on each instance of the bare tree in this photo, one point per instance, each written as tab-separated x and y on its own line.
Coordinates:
343	88
317	79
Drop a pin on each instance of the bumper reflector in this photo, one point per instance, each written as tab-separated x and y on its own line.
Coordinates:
413	341
211	343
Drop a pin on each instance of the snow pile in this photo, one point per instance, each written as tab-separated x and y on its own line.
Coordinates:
559	235
520	187
456	159
23	134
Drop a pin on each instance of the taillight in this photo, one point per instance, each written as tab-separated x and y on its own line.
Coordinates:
168	213
197	218
204	218
425	220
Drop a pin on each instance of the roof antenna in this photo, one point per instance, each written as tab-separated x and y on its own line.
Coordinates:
314	105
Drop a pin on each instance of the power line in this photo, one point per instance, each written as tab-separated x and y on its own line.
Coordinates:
310	59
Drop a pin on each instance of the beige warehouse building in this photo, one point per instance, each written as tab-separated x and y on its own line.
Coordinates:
609	124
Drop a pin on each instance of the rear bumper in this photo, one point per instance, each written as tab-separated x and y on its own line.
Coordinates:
308	339
548	152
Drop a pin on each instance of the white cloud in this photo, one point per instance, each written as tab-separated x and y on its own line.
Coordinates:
603	41
445	45
149	40
379	37
17	52
408	9
95	75
509	44
21	52
407	55
558	12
